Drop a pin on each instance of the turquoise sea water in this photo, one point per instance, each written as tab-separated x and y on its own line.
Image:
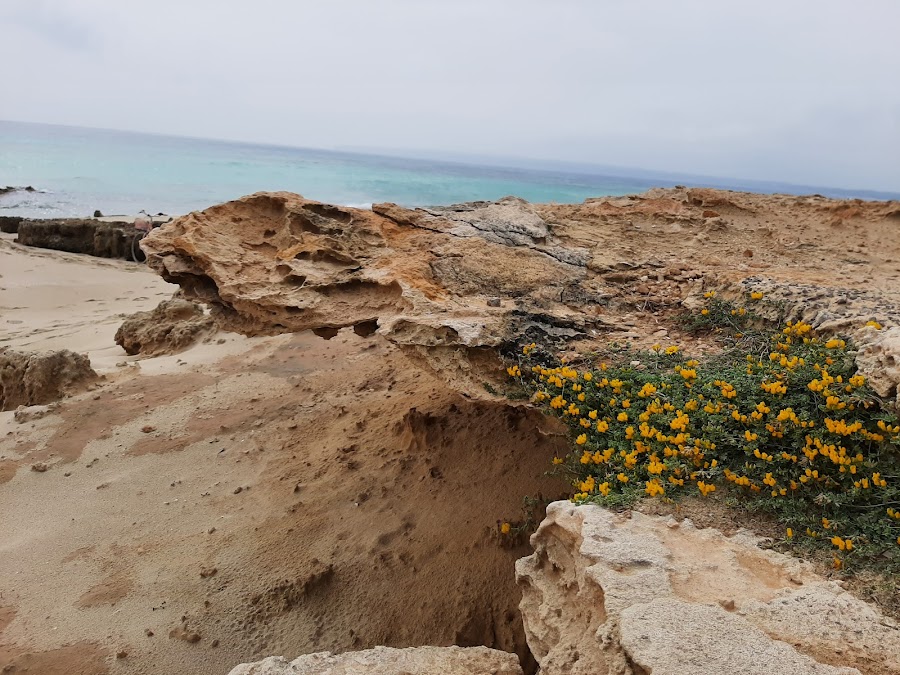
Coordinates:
77	170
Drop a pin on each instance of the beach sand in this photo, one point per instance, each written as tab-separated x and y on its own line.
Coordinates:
53	300
250	496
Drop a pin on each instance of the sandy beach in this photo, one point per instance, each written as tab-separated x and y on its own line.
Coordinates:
207	493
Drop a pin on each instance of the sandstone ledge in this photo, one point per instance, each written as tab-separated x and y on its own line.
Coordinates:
621	594
30	379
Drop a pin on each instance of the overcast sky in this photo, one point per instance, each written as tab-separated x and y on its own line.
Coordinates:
803	91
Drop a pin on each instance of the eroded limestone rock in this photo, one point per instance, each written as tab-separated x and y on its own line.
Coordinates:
275	262
81	235
389	661
31	379
622	594
481	274
171	327
879	359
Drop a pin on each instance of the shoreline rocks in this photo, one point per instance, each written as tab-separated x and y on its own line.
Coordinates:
80	235
10	224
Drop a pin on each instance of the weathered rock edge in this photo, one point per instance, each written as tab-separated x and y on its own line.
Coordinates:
472	275
389	661
171	327
76	235
628	594
33	379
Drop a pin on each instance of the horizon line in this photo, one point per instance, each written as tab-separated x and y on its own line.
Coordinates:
474	161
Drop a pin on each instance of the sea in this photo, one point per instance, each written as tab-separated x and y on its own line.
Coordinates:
76	171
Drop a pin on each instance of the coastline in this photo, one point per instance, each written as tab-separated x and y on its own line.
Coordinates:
305	477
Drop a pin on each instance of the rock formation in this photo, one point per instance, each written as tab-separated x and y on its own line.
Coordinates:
32	379
10	224
880	360
387	661
172	327
484	273
13	188
74	235
630	594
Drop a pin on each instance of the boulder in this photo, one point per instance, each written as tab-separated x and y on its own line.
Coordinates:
619	594
389	661
76	235
10	224
173	326
879	360
28	379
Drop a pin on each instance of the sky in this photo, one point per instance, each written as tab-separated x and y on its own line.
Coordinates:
797	91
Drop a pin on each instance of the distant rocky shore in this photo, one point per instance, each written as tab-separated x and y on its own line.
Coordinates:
104	237
13	188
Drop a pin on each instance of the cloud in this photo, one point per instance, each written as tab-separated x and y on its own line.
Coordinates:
799	92
51	23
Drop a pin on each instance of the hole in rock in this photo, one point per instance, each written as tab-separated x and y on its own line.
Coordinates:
326	332
330	212
366	328
393	534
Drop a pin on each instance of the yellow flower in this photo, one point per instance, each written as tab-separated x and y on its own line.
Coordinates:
622	417
654	488
588	377
709	294
874	324
704	312
756	295
790	533
557	460
504	528
581	440
622	478
705	488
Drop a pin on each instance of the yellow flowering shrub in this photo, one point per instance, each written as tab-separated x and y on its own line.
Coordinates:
794	431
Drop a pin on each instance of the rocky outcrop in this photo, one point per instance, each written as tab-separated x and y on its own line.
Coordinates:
483	273
278	262
173	326
32	379
879	359
13	188
74	235
388	661
10	224
630	594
